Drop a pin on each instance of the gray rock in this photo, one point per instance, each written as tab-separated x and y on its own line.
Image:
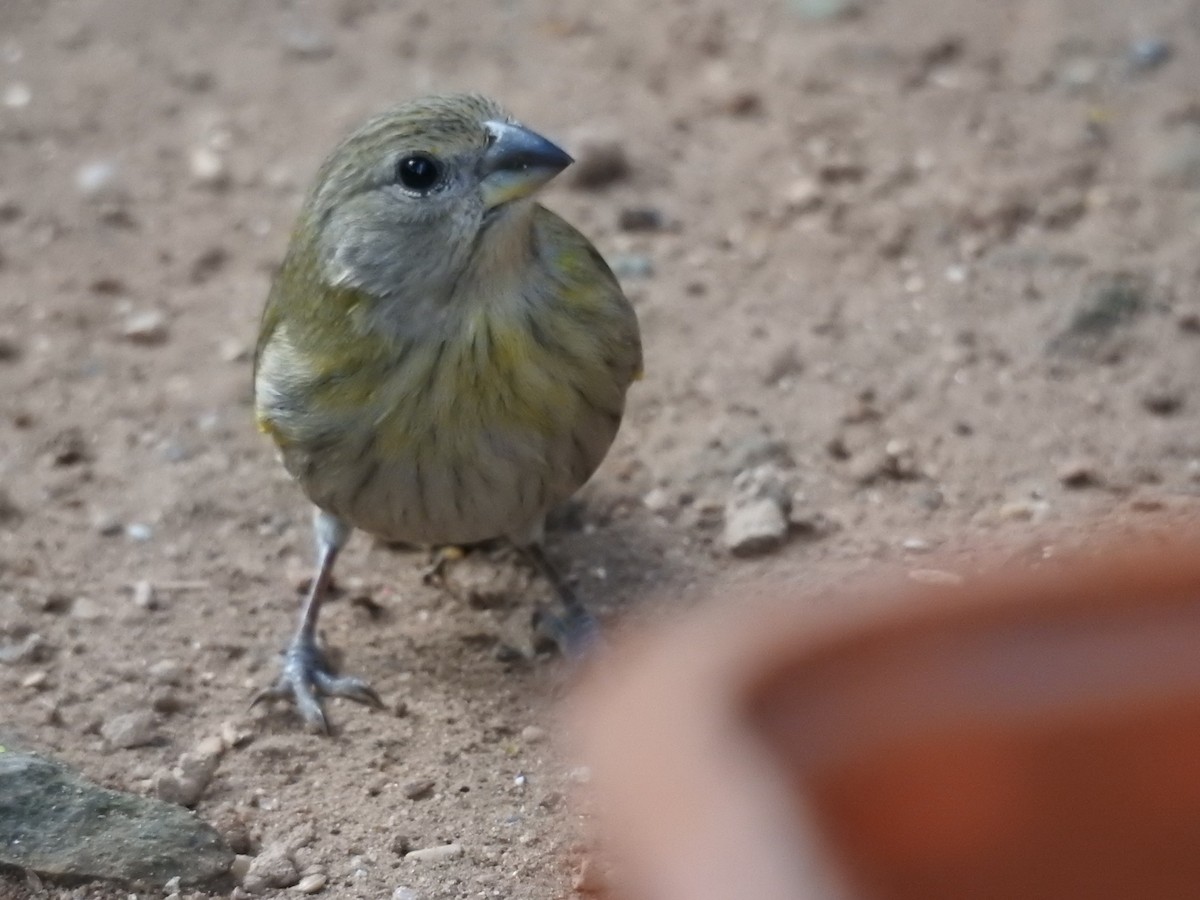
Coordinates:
55	822
756	515
272	868
754	527
436	854
133	729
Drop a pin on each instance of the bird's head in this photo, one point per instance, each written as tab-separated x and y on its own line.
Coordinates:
399	205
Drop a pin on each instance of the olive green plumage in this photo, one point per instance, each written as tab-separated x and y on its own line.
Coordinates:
441	359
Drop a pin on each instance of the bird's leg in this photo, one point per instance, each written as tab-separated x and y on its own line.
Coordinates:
575	632
307	675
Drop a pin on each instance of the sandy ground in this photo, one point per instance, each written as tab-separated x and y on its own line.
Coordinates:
936	258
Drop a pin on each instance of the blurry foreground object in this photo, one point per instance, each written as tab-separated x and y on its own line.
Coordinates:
1027	735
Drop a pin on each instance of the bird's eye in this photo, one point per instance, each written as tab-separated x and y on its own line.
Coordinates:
418	172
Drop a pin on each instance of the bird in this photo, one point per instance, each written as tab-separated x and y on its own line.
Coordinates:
441	359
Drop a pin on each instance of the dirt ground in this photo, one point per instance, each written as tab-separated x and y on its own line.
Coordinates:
935	258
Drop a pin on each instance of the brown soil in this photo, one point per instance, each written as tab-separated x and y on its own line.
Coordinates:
880	232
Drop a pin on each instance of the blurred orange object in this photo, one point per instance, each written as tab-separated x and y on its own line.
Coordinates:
1021	735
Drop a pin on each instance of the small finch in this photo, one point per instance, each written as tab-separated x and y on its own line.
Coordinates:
441	359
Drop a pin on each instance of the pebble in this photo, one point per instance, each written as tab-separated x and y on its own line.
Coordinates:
1078	473
1163	400
436	854
106	524
825	10
139	531
405	893
419	789
17	95
533	734
128	730
143	595
303	42
756	513
185	783
31	648
785	363
240	866
599	161
754	527
1148	54
208	168
935	576
272	868
312	884
658	500
98	179
148	328
640	218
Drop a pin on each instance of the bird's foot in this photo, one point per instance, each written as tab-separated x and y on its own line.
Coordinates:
575	633
307	677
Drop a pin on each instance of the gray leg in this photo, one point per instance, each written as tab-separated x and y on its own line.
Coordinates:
307	675
575	632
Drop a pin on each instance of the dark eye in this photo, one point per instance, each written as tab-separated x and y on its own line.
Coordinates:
418	172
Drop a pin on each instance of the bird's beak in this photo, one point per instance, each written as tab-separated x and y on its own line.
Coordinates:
516	163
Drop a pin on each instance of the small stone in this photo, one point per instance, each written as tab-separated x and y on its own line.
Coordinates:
756	514
1024	510
143	595
825	10
305	43
98	179
1147	54
147	328
31	648
134	729
755	527
1163	400
436	854
208	168
86	610
785	363
240	866
139	531
106	524
640	218
185	783
1078	72
658	500
1078	473
533	734
419	789
272	868
313	883
935	576
36	680
405	893
803	196
17	95
599	161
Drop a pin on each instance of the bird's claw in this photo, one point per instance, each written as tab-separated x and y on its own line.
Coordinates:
307	677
